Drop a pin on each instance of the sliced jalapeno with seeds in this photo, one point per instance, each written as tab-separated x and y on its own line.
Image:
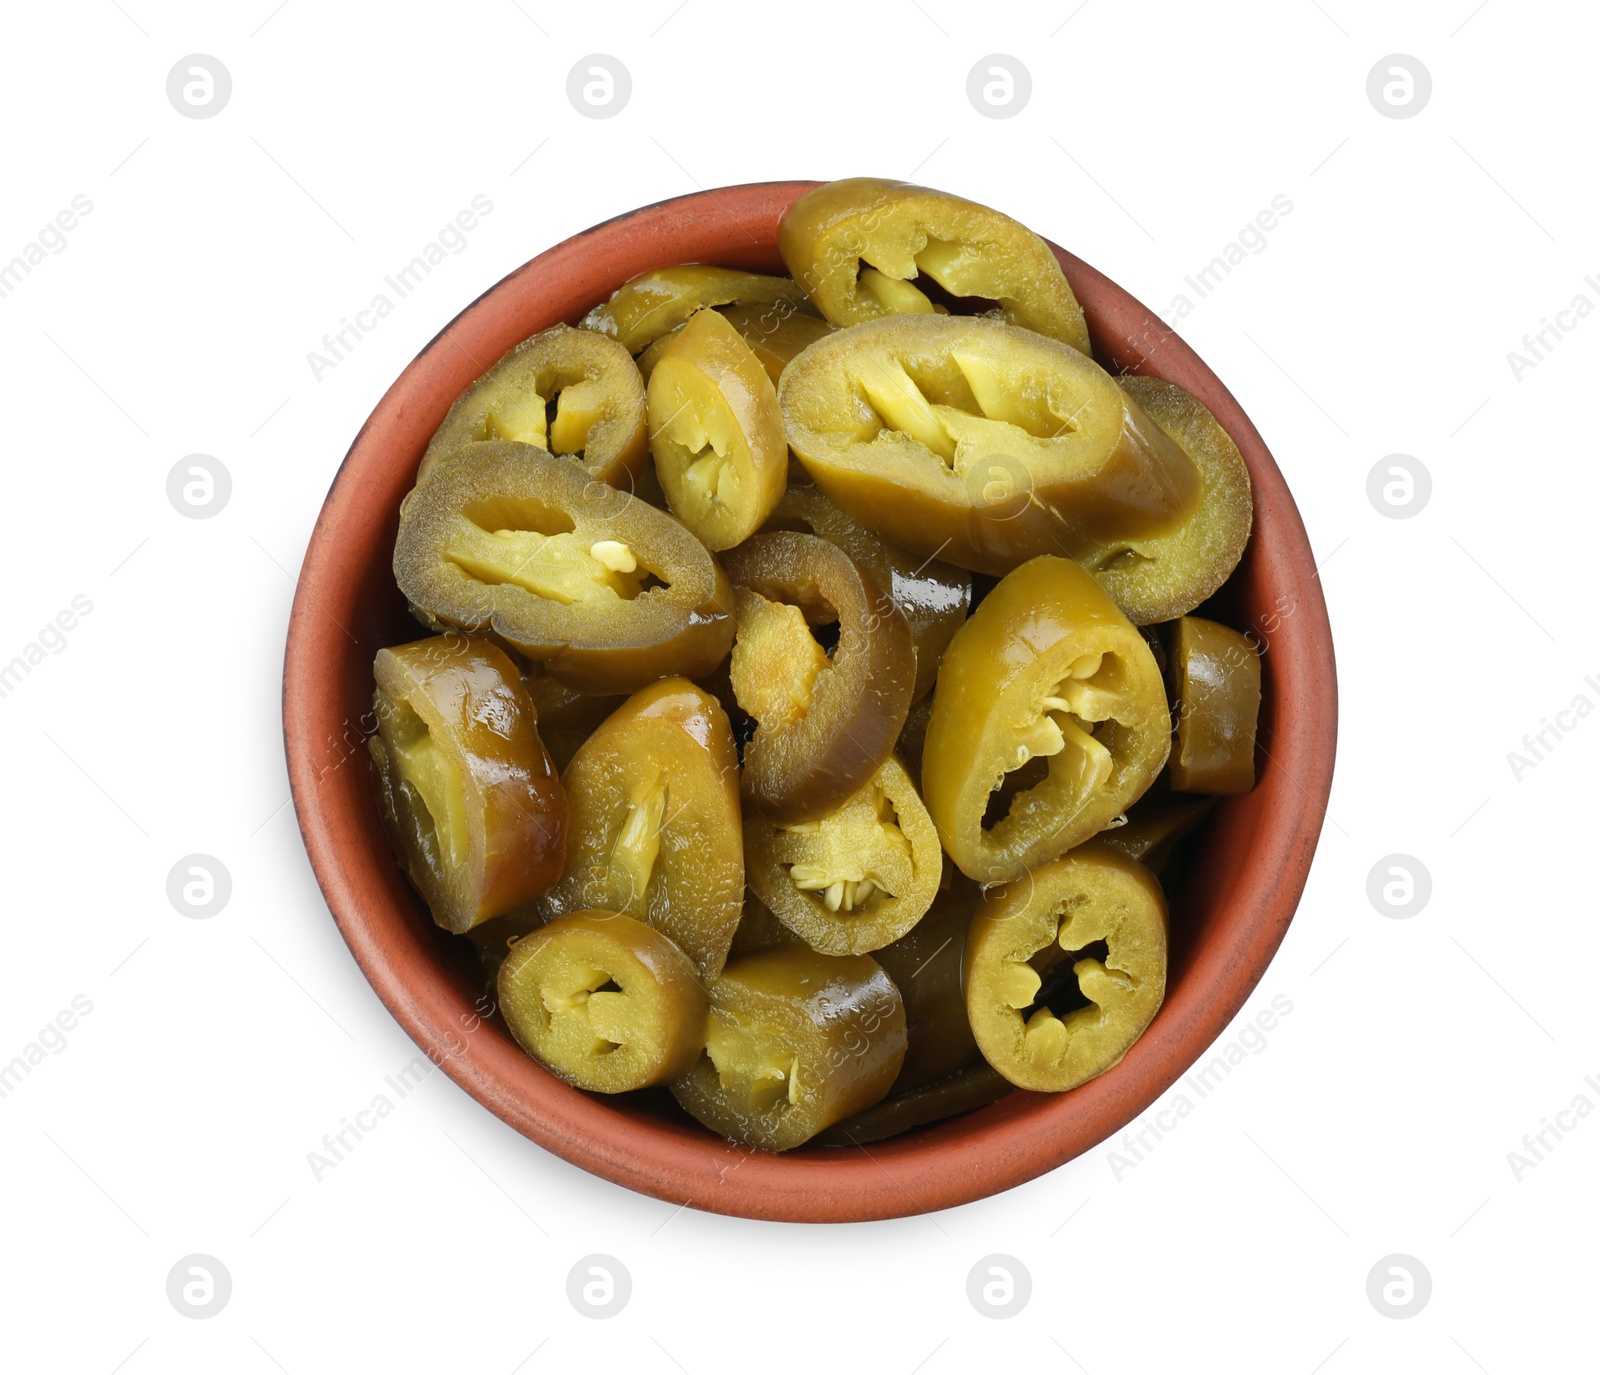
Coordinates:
469	798
855	879
825	721
568	391
656	302
604	1002
795	1041
1066	967
932	595
715	432
653	823
601	590
1045	667
982	444
863	248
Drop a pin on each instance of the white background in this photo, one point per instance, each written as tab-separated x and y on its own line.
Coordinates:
1378	1118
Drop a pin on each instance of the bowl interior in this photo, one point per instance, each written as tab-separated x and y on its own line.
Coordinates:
1228	916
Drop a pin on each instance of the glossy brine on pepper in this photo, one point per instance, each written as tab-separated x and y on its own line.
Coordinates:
653	823
1216	690
656	302
715	432
795	1042
602	590
860	247
1045	667
855	608
568	391
825	720
1066	968
469	798
980	443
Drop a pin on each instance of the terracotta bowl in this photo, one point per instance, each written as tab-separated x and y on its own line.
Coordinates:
1228	917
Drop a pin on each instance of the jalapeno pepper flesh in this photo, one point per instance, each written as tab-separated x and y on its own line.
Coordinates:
855	879
926	966
656	302
982	444
604	1002
796	1041
1216	688
1046	666
1159	575
715	432
469	798
568	391
601	590
966	1090
1066	967
653	828
826	722
861	245
932	595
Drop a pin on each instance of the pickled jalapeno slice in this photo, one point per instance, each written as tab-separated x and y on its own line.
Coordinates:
469	798
1066	967
568	391
1048	684
796	1041
604	1002
653	825
601	590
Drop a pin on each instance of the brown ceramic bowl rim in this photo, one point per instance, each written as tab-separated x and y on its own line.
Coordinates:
1015	1140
